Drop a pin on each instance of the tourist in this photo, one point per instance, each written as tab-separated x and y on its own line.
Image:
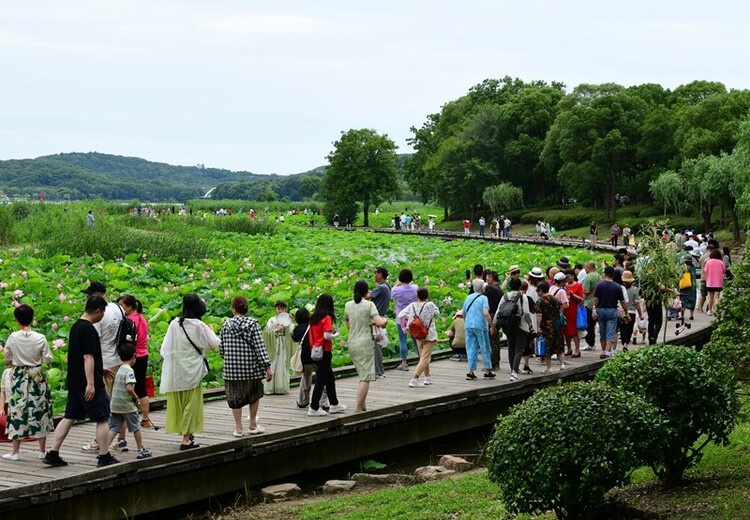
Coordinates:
301	335
124	404
714	272
513	271
516	333
506	227
687	286
574	293
727	259
457	337
134	310
404	292
361	315
467	225
614	234
5	383
246	365
90	219
627	233
321	334
381	297
278	341
426	311
478	326
589	284
87	397
557	290
29	400
482	223
547	310
183	368
607	296
530	293
593	231
634	308
493	293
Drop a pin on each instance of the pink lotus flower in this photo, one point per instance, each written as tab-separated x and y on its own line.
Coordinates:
15	303
226	294
62	297
24	274
266	290
58	343
461	285
18	293
54	326
245	287
166	289
258	281
59	286
66	318
342	342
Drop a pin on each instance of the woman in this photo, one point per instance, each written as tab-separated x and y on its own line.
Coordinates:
404	293
321	333
29	409
688	293
301	335
361	314
614	234
427	312
278	339
547	310
457	337
714	272
246	365
634	308
727	259
183	351
574	292
134	310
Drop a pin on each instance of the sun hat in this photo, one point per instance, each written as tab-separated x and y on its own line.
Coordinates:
563	263
536	273
513	269
627	276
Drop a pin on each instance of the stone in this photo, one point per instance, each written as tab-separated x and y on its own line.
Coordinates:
280	491
366	479
336	486
455	463
427	473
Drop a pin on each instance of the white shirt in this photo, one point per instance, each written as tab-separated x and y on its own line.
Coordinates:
27	349
182	368
107	329
692	243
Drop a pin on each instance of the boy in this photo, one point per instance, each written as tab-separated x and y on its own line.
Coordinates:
124	405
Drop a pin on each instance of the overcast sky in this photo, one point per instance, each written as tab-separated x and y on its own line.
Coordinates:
268	86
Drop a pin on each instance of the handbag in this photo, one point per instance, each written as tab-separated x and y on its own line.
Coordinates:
685	281
296	362
540	346
560	321
199	351
582	321
316	353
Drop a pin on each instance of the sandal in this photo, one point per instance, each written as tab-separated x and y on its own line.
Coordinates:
190	446
577	354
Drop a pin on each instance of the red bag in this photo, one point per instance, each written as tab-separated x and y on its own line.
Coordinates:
150	390
417	328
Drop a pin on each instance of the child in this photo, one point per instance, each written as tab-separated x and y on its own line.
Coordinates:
124	405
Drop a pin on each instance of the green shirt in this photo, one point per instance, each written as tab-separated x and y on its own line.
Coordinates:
589	284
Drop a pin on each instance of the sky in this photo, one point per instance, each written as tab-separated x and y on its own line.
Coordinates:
267	87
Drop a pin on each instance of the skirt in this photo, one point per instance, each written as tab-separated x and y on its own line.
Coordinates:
279	384
30	412
185	411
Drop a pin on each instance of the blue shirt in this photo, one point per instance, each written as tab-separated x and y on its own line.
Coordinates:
474	317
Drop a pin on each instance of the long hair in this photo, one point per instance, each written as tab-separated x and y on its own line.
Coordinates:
360	290
323	308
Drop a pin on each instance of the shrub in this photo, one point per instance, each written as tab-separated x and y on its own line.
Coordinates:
650	211
566	446
695	395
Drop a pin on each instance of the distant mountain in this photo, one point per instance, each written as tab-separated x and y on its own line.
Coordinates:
78	176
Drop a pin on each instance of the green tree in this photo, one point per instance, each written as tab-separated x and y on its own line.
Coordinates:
503	198
309	186
667	189
362	168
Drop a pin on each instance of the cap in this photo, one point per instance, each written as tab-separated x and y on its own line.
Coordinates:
95	287
559	277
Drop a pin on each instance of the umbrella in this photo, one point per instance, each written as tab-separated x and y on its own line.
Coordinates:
432	216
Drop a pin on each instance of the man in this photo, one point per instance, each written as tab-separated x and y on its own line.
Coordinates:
381	296
86	394
691	241
107	329
506	226
517	333
607	295
478	271
493	293
90	219
593	231
589	285
482	223
478	322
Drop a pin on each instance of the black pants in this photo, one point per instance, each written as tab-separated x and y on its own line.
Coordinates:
324	379
516	343
590	329
655	315
626	329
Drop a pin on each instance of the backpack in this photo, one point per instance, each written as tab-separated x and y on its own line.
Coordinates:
126	332
417	328
508	315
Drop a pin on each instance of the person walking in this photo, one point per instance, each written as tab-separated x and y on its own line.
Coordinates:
404	293
478	326
590	281
482	223
361	315
134	310
517	332
426	311
714	272
183	368
246	365
381	297
301	335
574	292
607	296
547	311
321	334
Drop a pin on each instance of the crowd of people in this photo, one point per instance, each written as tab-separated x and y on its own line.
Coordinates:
547	314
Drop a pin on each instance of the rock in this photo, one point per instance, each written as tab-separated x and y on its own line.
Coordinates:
336	486
280	491
389	478
427	473
455	463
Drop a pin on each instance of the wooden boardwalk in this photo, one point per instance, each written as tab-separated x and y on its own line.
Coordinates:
397	415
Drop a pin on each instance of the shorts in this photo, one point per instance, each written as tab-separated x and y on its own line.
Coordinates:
97	409
714	289
243	392
139	369
109	381
116	420
703	289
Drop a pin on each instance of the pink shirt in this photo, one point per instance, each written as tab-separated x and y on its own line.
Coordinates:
141	330
714	271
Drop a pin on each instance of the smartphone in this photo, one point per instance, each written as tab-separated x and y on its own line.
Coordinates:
468	274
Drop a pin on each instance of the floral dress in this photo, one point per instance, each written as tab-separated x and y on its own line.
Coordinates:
549	308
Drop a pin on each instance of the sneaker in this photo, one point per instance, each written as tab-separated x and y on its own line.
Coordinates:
545	371
257	431
513	376
41	455
564	366
403	368
471	376
337	408
52	458
455	357
316	413
120	445
527	370
427	381
554	357
415	383
381	376
635	341
12	456
587	348
143	453
489	375
90	447
106	460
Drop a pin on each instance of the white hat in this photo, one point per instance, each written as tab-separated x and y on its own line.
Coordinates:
536	273
559	277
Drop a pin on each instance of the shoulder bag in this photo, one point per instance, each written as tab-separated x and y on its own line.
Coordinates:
198	350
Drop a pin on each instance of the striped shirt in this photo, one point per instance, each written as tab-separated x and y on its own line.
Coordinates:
122	402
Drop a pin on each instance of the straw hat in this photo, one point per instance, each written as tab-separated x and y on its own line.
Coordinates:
536	273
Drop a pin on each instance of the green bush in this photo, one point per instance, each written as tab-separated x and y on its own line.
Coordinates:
650	211
565	447
696	396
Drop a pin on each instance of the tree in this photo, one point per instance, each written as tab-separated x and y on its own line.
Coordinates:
362	168
309	186
503	198
667	189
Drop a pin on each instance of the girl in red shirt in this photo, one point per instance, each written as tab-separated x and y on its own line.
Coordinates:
322	333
